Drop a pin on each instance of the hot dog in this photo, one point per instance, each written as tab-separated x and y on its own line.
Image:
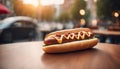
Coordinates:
69	40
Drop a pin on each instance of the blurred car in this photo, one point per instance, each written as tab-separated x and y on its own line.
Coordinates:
17	28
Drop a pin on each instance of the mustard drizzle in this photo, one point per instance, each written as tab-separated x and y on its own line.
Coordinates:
72	36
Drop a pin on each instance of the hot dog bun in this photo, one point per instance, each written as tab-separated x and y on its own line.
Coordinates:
70	46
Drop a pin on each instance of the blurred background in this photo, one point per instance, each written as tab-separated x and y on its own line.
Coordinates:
31	20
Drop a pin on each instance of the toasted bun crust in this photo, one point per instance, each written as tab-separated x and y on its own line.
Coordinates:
71	46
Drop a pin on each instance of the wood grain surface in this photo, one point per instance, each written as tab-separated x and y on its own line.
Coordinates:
29	55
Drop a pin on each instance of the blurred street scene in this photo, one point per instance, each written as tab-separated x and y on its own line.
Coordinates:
31	20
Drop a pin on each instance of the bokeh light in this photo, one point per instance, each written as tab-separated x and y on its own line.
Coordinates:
94	22
82	12
82	22
116	14
51	2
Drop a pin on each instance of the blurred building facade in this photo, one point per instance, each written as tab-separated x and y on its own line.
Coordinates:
67	5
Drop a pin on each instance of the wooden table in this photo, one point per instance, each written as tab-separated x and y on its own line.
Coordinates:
29	55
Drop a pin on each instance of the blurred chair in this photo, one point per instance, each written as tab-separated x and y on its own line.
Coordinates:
114	39
114	28
93	27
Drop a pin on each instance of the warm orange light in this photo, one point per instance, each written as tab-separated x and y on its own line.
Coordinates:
94	22
82	12
95	0
43	2
33	2
51	2
82	22
116	14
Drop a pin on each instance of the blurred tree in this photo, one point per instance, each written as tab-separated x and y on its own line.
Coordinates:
47	13
106	8
77	6
41	12
21	9
64	17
